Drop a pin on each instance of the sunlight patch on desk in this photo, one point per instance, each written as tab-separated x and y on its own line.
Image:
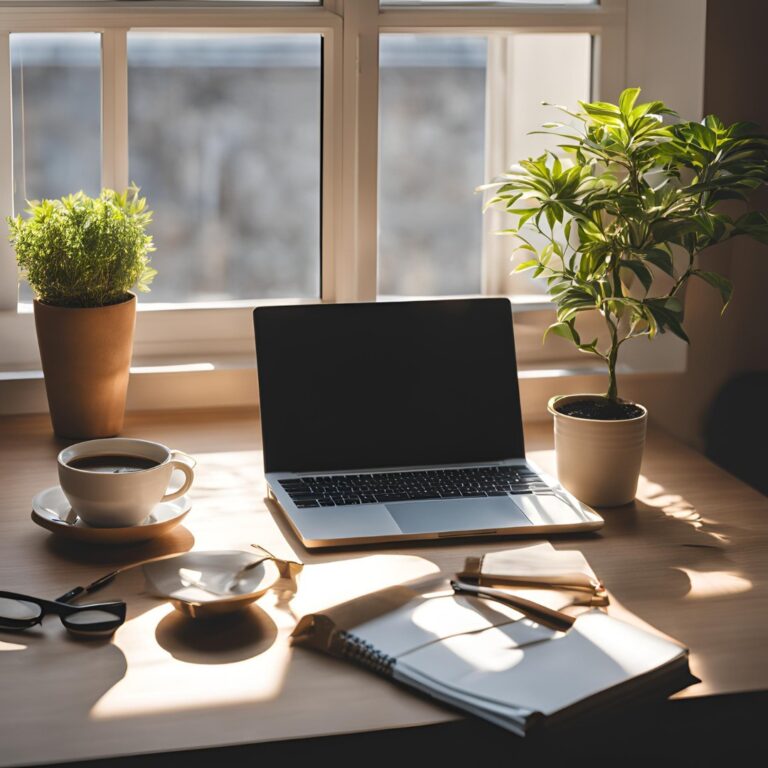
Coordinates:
322	585
228	510
677	508
155	683
705	584
177	368
672	504
4	646
226	472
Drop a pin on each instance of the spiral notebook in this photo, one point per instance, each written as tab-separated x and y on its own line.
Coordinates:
487	659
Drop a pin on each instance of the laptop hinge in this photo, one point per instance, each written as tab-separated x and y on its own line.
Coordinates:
461	534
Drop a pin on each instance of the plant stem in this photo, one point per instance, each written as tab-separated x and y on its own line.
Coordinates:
612	393
684	277
613	353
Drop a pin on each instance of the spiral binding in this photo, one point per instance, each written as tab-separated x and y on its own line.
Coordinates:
362	652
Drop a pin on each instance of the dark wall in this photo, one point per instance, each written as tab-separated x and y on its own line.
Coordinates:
736	89
734	75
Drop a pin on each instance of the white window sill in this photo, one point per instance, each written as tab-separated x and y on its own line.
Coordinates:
230	380
173	367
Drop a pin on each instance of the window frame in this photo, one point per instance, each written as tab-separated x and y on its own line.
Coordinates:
349	151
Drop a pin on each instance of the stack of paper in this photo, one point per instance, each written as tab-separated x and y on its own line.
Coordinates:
539	566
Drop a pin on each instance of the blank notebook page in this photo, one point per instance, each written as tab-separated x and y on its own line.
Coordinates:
426	620
515	665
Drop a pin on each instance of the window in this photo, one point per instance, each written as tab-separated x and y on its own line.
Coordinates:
224	139
396	3
291	151
56	117
531	68
431	157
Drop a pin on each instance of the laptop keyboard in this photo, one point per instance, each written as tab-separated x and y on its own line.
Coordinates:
378	487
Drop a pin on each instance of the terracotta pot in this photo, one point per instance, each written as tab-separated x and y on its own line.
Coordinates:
598	461
86	355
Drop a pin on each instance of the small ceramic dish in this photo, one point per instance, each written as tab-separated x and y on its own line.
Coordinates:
206	584
51	510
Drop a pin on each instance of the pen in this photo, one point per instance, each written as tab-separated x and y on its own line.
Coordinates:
92	587
562	622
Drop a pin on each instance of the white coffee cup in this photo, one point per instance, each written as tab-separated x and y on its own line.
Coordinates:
115	500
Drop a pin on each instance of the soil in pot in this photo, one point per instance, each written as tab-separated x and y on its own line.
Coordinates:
600	410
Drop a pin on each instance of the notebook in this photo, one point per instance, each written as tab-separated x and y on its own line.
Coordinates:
489	660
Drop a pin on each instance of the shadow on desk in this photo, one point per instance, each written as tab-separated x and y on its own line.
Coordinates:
222	640
716	731
175	542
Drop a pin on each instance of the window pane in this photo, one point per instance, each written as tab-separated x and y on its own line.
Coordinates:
56	115
55	81
224	135
563	73
165	3
490	3
432	124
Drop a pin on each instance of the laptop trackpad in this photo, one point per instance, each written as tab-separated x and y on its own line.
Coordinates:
473	514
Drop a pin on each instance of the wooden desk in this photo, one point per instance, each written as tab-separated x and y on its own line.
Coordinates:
690	557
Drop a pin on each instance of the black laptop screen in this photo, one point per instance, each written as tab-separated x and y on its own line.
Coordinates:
356	386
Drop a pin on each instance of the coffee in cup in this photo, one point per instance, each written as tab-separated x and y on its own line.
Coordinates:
116	482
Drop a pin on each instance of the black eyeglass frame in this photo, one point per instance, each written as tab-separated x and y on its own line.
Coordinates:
64	610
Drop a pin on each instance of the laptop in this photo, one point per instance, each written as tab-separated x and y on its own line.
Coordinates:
399	421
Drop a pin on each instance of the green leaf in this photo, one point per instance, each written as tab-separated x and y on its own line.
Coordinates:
81	251
546	254
714	123
590	347
642	272
530	264
660	259
566	330
668	315
754	224
723	285
627	100
623	189
672	304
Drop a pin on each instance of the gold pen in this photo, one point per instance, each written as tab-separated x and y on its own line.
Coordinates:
557	620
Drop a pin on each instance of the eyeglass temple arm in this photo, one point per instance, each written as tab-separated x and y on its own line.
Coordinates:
92	587
104	580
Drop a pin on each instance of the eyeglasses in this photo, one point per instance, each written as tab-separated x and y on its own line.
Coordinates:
19	612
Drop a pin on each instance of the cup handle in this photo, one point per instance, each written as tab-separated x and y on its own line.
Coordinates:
189	475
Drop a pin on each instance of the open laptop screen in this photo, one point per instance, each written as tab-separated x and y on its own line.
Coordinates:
361	386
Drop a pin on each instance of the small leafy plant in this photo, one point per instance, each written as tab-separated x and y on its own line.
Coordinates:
83	251
631	199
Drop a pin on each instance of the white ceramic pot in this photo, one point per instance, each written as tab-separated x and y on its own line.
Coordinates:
598	461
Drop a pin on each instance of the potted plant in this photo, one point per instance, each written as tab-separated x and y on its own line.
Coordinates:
82	256
614	227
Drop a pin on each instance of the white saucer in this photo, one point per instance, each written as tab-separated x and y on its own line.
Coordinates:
50	510
205	584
